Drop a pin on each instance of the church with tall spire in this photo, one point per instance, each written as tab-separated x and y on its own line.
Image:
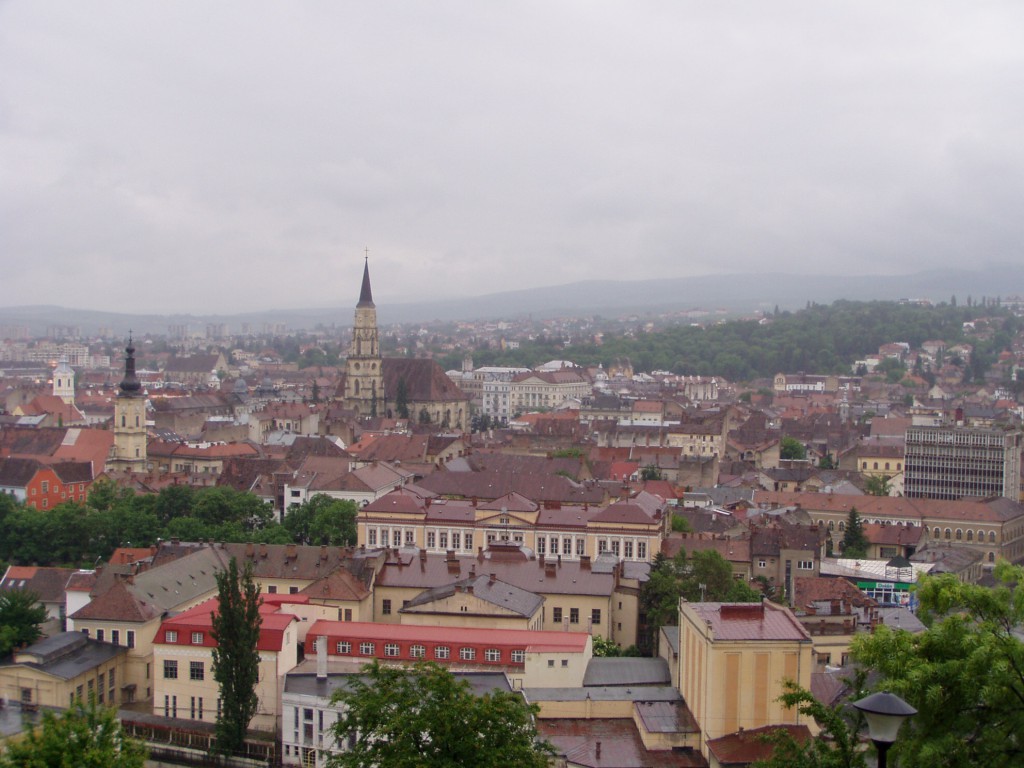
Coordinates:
364	378
396	387
130	437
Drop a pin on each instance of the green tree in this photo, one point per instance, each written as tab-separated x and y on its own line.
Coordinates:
705	575
855	543
650	472
21	616
826	462
84	736
323	520
877	485
421	717
964	673
838	746
236	628
791	448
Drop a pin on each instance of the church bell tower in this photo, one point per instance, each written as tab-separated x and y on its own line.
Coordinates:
364	380
129	420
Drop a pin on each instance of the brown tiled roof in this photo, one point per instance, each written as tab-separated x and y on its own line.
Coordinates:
986	510
24	441
117	603
492	484
339	584
810	589
597	743
733	550
425	380
45	583
745	747
750	621
893	534
16	473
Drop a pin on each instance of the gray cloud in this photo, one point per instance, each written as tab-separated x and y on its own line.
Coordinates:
223	157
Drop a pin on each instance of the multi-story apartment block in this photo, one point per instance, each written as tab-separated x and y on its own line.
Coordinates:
953	462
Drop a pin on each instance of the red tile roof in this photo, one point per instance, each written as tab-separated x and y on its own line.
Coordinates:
750	621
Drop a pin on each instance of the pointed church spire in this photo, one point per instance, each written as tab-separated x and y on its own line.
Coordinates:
130	385
365	294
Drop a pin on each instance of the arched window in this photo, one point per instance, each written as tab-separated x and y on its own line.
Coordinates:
970	535
123	422
842	525
136	420
991	537
948	533
981	536
935	534
887	465
831	525
959	535
876	465
991	557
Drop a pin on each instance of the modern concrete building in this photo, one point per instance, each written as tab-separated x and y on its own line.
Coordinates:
954	462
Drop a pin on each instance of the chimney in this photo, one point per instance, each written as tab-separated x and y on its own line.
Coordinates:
289	551
584	562
323	552
321	657
249	549
491	578
263	550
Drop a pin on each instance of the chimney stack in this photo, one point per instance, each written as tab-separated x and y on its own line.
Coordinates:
321	657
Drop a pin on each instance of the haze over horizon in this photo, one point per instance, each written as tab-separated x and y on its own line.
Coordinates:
195	158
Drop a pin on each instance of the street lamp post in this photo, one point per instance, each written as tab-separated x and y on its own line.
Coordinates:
885	713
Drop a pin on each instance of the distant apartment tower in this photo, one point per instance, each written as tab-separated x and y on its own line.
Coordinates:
953	462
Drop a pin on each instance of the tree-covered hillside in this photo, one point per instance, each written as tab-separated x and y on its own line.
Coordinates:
819	339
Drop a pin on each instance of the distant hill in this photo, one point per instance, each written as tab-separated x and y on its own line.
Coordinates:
744	293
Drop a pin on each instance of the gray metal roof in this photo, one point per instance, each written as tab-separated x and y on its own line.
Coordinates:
629	671
308	684
605	693
66	655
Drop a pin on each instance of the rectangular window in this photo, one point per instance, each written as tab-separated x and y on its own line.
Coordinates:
348	614
46	486
556	615
467	654
431	540
417	651
115	636
410	538
595	616
396	538
293	590
492	654
456	540
566	546
574	615
371	537
615	547
385	607
468	541
196	670
541	545
344	646
602	546
553	545
272	589
99	635
366	649
518	656
581	547
197	638
442	652
627	549
641	550
170	669
805	565
762	564
442	539
390	649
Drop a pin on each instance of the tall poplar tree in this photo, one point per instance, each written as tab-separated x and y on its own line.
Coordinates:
236	660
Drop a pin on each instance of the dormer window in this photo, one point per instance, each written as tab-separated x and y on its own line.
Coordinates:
197	638
170	636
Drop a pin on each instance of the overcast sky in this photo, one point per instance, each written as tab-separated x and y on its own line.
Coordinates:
231	156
